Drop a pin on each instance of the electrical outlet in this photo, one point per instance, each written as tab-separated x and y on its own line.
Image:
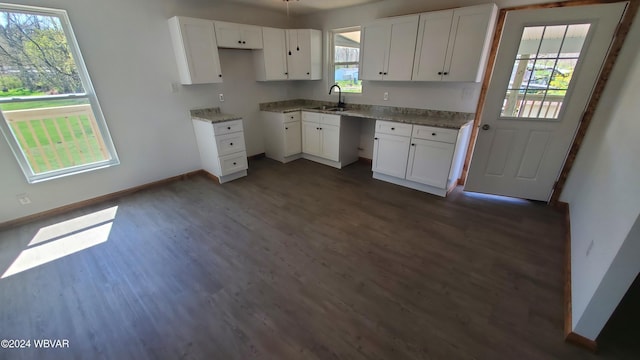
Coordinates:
590	247
175	87
23	199
221	97
386	96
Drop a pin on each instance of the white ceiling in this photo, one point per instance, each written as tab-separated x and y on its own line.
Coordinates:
302	7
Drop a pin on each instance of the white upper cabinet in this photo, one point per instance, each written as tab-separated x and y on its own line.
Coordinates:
453	45
271	62
304	54
238	36
196	50
289	55
388	48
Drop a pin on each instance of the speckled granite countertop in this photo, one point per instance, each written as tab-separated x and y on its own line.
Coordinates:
436	118
212	115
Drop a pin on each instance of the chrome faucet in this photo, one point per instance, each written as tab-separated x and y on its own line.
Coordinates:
340	103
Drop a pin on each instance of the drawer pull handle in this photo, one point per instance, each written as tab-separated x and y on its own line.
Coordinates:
433	134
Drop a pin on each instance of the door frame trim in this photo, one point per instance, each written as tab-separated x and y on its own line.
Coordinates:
605	72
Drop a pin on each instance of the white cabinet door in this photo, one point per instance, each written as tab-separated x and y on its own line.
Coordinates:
388	48
469	42
311	138
330	142
375	44
196	50
390	154
292	138
431	48
271	61
239	36
429	162
298	54
251	36
228	34
402	47
453	45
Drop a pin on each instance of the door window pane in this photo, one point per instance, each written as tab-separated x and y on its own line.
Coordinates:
542	71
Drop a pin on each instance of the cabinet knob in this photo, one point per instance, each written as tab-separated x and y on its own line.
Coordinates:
307	73
380	73
413	144
234	163
219	75
286	73
244	42
239	42
375	138
228	127
286	128
433	134
393	129
445	73
384	73
439	72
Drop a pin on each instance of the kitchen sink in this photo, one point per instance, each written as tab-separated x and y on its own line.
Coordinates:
324	108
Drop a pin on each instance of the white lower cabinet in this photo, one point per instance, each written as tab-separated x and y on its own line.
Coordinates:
330	139
420	157
390	154
283	135
429	162
222	149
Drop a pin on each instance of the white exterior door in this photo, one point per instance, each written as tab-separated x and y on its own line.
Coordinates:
546	67
390	153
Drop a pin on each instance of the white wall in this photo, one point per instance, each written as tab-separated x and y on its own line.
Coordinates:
461	97
127	49
602	191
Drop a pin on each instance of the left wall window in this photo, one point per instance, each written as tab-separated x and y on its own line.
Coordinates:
50	113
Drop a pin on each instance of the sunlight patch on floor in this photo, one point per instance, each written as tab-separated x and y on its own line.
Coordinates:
65	238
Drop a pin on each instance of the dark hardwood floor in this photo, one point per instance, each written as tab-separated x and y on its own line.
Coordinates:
295	261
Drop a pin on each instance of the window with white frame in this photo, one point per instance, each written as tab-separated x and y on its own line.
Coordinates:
50	114
346	59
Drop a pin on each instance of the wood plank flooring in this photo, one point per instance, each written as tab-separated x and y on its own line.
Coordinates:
296	261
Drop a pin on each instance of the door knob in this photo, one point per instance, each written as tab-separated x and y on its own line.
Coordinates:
486	127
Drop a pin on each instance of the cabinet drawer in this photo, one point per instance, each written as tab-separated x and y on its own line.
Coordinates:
291	116
435	134
227	127
310	116
393	128
230	143
330	120
233	163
